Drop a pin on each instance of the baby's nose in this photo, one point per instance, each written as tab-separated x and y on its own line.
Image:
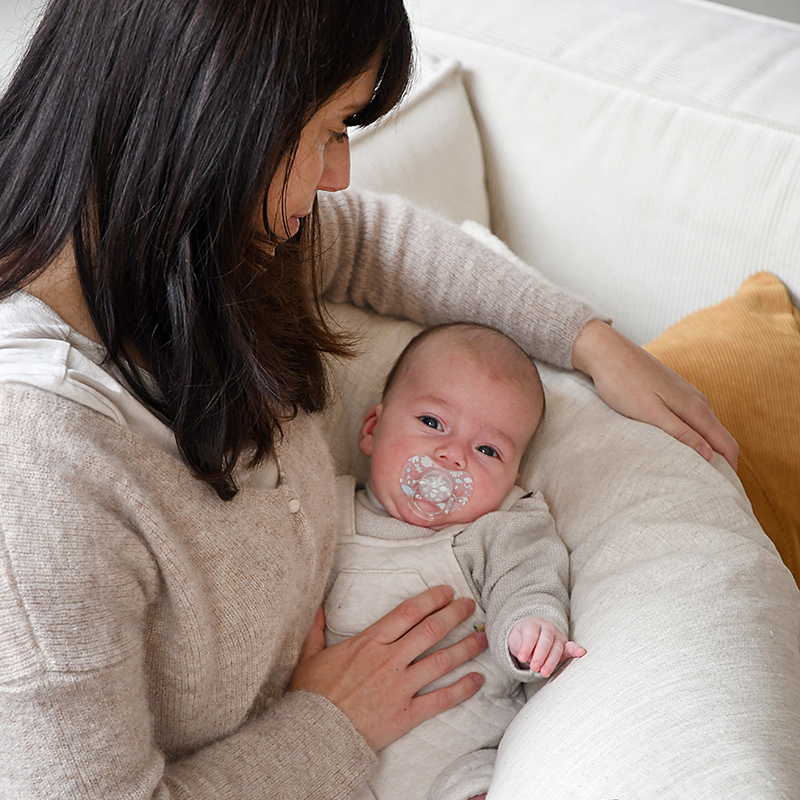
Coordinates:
451	456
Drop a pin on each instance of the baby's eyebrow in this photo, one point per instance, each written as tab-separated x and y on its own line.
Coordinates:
498	435
435	402
433	399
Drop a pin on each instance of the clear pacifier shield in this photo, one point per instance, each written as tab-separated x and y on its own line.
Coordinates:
433	490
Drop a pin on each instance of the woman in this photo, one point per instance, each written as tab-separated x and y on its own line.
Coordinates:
166	525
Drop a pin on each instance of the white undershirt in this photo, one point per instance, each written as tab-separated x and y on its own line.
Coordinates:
37	348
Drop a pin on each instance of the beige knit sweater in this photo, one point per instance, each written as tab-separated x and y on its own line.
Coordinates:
147	628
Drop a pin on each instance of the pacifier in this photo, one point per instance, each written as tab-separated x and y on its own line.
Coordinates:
433	490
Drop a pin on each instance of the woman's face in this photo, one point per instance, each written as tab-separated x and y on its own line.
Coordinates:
322	160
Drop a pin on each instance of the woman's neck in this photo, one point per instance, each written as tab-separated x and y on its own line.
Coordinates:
60	288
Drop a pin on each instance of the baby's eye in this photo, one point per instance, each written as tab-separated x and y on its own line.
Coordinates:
488	450
431	422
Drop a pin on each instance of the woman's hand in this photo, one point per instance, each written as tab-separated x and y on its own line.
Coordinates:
639	386
373	676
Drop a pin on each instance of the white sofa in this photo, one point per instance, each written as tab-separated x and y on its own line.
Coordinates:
645	154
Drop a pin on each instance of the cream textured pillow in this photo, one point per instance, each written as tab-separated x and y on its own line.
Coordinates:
689	688
744	354
691	621
428	150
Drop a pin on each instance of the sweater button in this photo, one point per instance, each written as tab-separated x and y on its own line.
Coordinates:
294	505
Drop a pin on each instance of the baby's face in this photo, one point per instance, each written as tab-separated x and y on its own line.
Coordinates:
457	413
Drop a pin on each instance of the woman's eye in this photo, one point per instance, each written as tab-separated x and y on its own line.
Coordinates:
431	422
488	450
340	137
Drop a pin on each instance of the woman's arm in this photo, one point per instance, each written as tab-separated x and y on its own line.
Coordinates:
381	252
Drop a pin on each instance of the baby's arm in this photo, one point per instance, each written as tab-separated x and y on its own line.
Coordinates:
540	645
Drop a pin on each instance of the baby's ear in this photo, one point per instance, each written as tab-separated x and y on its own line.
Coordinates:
368	429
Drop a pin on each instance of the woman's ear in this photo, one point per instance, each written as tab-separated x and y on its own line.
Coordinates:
368	429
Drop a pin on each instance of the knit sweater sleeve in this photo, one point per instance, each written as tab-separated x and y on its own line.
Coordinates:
518	567
386	254
139	656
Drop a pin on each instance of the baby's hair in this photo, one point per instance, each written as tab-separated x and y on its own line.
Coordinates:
490	348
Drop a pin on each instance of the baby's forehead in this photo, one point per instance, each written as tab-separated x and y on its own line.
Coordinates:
494	354
505	392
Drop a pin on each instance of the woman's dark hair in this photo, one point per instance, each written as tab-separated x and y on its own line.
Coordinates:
145	133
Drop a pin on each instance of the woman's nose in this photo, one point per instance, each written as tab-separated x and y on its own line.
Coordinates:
336	168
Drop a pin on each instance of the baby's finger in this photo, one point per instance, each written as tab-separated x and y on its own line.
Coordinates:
573	650
542	649
553	659
515	643
529	640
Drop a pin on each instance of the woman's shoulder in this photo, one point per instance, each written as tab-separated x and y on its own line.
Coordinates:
38	349
45	433
69	535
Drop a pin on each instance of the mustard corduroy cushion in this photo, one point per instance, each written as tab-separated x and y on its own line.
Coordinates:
744	355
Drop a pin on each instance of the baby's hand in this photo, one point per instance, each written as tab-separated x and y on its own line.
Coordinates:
540	645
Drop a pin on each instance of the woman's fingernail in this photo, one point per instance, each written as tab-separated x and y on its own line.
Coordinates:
706	451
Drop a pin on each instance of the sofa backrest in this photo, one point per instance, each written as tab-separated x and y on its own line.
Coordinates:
643	153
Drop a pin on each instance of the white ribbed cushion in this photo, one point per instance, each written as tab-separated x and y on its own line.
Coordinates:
644	153
428	149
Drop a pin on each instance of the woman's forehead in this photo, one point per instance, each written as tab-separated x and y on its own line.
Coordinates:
353	96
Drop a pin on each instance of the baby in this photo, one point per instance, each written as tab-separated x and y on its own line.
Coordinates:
459	409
